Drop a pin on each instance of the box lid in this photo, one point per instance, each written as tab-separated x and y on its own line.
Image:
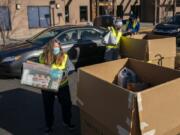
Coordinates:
148	47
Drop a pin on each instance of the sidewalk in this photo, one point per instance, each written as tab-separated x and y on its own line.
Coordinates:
146	27
10	41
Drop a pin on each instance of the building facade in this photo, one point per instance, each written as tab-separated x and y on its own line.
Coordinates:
24	18
120	8
152	11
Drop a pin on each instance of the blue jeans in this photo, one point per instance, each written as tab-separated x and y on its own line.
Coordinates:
111	54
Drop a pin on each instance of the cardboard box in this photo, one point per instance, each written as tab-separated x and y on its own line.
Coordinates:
107	109
177	60
148	47
38	75
166	62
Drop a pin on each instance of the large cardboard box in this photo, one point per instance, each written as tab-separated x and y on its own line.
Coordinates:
149	47
108	109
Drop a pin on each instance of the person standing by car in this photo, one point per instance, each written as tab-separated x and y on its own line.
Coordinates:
132	25
54	56
112	47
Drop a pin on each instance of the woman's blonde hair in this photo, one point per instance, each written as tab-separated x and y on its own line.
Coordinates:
48	56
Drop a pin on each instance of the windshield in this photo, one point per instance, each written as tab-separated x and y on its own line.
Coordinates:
174	20
45	36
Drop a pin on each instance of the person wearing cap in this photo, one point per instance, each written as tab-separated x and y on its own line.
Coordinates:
112	49
132	25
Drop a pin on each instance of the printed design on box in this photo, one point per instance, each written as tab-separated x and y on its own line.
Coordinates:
40	76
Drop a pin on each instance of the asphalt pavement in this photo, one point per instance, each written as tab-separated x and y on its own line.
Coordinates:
21	110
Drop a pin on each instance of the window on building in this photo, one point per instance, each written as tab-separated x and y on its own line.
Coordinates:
39	16
119	11
103	10
5	23
83	13
105	0
178	3
136	9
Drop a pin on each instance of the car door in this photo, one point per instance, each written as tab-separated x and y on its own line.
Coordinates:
68	40
90	42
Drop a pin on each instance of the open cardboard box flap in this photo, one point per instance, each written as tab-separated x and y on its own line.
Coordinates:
148	47
123	111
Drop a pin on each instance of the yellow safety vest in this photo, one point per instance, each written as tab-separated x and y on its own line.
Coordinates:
63	67
118	36
133	26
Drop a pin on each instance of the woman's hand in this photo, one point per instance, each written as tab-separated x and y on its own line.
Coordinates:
55	74
29	62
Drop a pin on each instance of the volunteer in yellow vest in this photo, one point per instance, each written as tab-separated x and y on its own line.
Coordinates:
112	49
133	25
54	56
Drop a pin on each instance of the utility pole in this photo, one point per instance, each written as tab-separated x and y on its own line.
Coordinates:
97	8
52	6
174	7
155	11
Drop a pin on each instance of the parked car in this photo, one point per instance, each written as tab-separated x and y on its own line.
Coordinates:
171	27
82	43
104	21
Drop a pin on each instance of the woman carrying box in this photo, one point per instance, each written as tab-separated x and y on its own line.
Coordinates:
54	56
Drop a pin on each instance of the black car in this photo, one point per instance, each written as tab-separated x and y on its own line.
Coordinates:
82	43
104	21
171	27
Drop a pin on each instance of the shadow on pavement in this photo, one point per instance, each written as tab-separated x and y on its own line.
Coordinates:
21	113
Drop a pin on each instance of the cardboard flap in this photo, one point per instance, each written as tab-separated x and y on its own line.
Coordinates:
99	99
159	108
137	36
148	47
104	70
162	48
152	74
133	48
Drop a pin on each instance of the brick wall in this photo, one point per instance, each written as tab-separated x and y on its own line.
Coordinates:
19	18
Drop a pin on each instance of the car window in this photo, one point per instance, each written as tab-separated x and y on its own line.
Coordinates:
177	20
45	36
68	37
87	34
174	20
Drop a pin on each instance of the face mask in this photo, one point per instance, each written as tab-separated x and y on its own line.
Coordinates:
56	51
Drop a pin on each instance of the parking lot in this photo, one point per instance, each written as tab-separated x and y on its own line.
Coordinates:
22	113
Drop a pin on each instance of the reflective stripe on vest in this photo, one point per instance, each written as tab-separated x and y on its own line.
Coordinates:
113	31
112	46
41	60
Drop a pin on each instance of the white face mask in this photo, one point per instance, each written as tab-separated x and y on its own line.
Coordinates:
56	51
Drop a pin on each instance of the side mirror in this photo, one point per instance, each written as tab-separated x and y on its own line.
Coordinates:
79	40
